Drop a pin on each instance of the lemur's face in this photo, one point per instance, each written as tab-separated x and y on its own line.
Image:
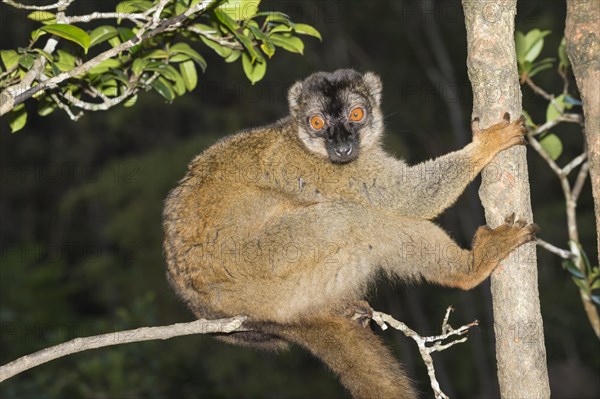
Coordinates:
337	113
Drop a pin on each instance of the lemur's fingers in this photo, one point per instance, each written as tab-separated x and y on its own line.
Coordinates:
510	219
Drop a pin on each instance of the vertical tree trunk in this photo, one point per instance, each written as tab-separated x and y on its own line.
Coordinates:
582	34
492	66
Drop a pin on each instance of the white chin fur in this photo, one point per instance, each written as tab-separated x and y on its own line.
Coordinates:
315	145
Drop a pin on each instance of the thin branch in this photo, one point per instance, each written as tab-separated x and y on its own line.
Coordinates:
574	163
540	150
580	181
120	337
566	117
65	108
563	253
58	5
538	90
383	319
135	17
222	41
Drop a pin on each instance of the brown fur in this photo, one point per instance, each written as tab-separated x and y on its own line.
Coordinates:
264	226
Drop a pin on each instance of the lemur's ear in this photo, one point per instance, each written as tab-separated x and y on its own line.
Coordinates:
373	83
294	96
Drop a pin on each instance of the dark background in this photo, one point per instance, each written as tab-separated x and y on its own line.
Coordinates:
80	214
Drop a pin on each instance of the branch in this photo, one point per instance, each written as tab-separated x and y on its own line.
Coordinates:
565	117
563	253
61	4
120	337
383	319
134	17
20	92
219	40
580	180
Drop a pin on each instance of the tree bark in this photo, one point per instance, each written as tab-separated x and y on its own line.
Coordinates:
492	67
582	35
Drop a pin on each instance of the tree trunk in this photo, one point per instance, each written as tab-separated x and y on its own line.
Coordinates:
492	66
582	34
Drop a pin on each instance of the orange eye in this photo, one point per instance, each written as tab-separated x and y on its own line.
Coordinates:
316	122
357	114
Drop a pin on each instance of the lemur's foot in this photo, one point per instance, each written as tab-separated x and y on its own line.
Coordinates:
360	311
490	246
501	135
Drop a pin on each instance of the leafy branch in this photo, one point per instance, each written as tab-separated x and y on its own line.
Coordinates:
152	46
549	146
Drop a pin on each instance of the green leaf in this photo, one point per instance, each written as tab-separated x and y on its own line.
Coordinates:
69	32
132	6
275	16
570	266
46	107
254	72
596	285
188	72
534	42
281	28
179	84
222	51
184	48
555	108
307	30
138	66
26	61
110	91
564	61
104	66
45	54
235	54
164	88
267	45
234	28
157	54
10	58
130	101
17	119
102	34
164	69
291	44
44	17
239	10
552	145
540	66
115	41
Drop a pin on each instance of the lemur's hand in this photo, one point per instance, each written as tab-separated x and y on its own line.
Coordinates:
499	136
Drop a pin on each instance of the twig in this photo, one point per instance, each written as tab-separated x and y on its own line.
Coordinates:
134	17
538	90
222	41
580	181
566	117
540	150
568	168
65	108
117	338
563	253
58	5
383	319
